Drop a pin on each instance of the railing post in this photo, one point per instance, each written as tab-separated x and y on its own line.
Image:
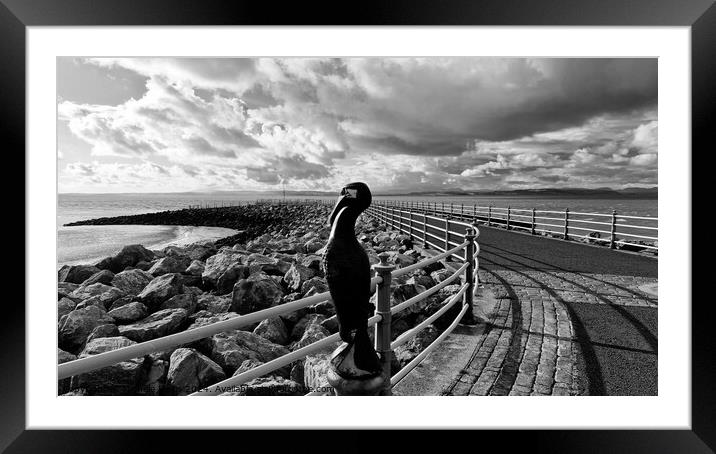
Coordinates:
382	328
532	230
612	245
425	230
447	236
489	215
410	224
468	296
508	217
566	223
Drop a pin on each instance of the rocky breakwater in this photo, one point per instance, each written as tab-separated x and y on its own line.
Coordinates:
140	294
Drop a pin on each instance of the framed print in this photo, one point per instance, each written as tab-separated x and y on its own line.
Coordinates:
448	217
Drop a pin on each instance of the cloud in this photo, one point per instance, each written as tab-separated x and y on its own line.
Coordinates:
306	121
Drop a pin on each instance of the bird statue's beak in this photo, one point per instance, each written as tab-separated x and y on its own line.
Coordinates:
342	202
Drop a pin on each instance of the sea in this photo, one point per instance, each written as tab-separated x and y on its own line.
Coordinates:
89	244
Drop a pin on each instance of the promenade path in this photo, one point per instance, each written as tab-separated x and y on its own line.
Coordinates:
561	318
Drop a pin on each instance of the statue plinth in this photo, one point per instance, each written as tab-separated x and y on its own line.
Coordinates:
356	386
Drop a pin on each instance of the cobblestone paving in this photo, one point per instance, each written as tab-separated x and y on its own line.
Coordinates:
529	346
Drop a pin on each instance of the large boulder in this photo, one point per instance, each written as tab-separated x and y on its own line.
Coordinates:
312	333
220	263
84	292
190	371
213	303
100	277
185	301
195	268
313	245
106	330
256	292
130	256
273	330
226	281
76	274
65	306
170	264
314	286
315	371
122	378
65	289
304	323
230	349
161	289
78	324
63	385
260	263
296	276
129	313
159	324
132	282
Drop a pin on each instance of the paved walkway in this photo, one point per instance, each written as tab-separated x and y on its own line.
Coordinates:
563	318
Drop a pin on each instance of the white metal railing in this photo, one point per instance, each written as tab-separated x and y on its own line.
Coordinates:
611	229
381	320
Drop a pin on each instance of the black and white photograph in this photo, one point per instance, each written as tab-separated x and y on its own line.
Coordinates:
357	226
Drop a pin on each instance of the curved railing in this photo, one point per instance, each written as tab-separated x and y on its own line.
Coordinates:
612	229
452	243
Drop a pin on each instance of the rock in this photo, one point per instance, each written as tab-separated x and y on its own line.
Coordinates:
100	277
154	382
226	281
331	324
257	292
130	256
218	264
259	263
159	324
171	264
213	318
230	349
104	344
314	286
313	245
313	262
440	275
108	330
402	260
121	302
129	313
303	324
186	301
213	303
76	274
296	276
252	364
313	333
196	291
144	266
63	385
132	282
268	386
432	267
326	308
65	289
422	280
65	306
195	268
315	372
408	351
78	324
190	371
104	264
118	379
160	289
85	292
273	330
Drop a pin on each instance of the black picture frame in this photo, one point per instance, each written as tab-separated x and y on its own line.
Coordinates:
700	15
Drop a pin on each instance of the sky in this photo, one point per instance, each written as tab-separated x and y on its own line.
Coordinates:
397	124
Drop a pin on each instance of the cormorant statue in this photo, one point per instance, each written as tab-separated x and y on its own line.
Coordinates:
347	271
